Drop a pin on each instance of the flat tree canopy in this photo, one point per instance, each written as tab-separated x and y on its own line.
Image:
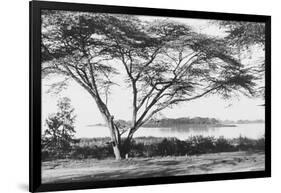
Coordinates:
165	62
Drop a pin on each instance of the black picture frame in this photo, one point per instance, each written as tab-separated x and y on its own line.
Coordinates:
35	8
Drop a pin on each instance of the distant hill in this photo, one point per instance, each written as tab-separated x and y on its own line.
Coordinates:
168	122
181	121
242	121
93	125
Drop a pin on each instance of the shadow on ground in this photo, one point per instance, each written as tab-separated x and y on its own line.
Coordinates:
97	170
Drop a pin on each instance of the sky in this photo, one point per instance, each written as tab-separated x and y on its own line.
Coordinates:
120	99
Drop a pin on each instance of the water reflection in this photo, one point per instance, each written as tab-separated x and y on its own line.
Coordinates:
183	132
253	130
188	128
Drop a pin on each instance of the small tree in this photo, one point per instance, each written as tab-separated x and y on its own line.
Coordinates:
58	136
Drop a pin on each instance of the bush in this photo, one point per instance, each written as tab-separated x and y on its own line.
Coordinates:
223	144
98	152
171	146
200	144
260	144
245	143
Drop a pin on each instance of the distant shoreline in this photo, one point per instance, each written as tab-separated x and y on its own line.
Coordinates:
190	125
160	126
168	122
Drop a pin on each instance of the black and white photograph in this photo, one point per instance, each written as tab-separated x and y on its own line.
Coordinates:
135	96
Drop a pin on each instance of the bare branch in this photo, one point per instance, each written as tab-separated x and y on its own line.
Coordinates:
152	57
171	102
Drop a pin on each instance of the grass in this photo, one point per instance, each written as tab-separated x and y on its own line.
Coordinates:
153	146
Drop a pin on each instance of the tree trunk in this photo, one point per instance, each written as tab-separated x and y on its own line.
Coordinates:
116	152
114	140
120	149
125	148
115	137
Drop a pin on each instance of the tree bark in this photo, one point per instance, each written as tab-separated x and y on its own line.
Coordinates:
116	152
126	147
114	140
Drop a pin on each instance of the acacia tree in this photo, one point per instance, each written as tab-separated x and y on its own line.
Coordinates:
165	64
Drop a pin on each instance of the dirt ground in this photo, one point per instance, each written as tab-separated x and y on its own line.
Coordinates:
60	171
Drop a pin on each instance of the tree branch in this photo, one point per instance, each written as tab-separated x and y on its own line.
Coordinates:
168	103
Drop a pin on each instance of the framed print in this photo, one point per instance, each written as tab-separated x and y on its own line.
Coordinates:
125	96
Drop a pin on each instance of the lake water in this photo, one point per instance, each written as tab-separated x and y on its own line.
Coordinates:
253	130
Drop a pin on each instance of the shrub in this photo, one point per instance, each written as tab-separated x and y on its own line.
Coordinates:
223	145
99	152
260	144
171	146
200	144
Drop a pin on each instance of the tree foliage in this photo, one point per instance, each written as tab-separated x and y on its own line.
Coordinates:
244	36
245	33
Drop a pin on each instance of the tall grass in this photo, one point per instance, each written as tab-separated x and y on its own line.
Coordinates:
154	146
